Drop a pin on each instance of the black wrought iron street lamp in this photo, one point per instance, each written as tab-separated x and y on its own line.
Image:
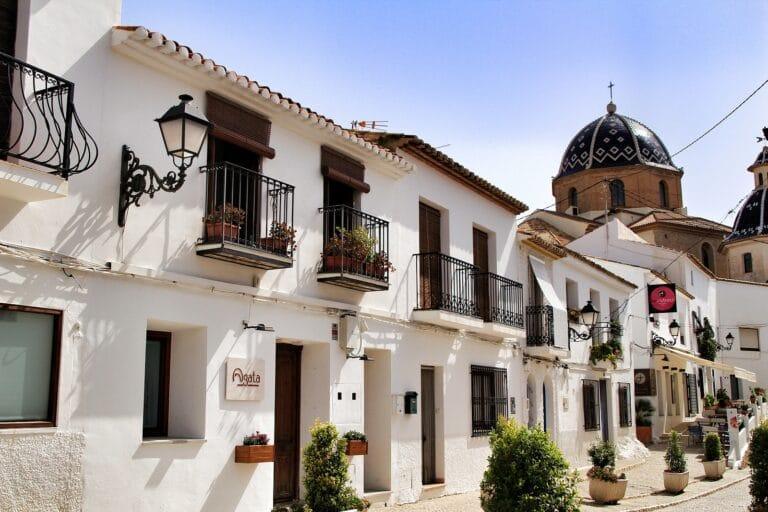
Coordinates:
184	130
589	317
728	343
659	341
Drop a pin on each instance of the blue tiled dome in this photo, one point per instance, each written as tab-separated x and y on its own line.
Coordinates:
752	219
614	140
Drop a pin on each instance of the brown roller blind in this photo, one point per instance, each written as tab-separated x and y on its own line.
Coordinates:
339	167
237	125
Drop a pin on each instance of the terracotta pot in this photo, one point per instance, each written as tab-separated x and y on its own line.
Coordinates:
357	448
675	483
605	492
714	470
276	245
334	263
252	454
215	230
644	434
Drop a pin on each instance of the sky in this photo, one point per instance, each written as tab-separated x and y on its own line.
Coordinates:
504	86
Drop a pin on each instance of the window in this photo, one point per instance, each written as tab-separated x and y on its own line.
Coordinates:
760	179
573	199
707	255
693	398
625	410
489	398
749	339
663	194
747	262
617	193
30	342
157	377
735	388
591	404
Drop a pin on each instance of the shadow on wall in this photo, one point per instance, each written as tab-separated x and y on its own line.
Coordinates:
226	491
165	456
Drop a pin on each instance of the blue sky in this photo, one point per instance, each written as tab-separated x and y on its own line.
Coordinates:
506	84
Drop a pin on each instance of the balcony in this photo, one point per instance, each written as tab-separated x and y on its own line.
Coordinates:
249	218
355	250
540	332
445	294
42	140
500	304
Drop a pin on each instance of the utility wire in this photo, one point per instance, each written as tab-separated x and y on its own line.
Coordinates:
729	114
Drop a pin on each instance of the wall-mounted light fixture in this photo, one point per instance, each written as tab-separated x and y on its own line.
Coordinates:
184	130
589	317
258	327
659	341
728	343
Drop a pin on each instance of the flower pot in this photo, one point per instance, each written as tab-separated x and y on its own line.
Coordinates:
251	454
605	492
221	231
355	447
338	263
644	434
276	245
709	413
714	470
675	482
604	364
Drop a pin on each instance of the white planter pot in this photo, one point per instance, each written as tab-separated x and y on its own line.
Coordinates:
605	365
604	492
675	482
715	469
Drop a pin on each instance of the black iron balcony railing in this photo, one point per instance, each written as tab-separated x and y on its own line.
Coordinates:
445	283
355	242
499	299
246	208
539	326
38	120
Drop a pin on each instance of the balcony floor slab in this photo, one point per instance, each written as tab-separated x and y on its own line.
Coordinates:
448	319
28	185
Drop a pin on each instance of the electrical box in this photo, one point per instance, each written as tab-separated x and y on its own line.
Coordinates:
410	402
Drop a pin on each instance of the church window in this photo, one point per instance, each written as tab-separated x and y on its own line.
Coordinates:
747	262
707	255
663	194
573	199
760	179
617	193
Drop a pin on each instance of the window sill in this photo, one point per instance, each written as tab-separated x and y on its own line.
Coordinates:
171	440
28	430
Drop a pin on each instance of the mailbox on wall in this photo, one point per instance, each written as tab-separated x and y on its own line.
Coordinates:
410	402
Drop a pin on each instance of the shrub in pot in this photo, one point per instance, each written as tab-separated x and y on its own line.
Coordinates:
224	222
676	475
714	462
357	443
605	486
326	472
758	465
526	472
643	426
723	400
281	237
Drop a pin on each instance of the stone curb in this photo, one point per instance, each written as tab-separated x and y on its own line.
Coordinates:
689	498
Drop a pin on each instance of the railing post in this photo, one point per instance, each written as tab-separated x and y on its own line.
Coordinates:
68	131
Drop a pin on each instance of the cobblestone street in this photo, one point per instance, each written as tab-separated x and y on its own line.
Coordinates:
645	491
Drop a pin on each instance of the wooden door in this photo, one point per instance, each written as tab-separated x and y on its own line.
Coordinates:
287	395
482	282
428	473
604	426
429	246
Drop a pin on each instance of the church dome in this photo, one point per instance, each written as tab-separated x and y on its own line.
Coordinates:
614	140
762	158
752	219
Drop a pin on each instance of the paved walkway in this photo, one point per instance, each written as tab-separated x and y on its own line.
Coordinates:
644	492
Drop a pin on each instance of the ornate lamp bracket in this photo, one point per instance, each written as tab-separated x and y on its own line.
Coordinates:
658	341
137	179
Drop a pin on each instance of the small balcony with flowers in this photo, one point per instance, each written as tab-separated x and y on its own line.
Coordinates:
249	218
355	250
42	139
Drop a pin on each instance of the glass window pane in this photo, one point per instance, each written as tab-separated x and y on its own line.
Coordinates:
152	379
26	353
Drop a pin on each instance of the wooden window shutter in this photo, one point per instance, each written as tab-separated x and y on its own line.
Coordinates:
339	167
238	125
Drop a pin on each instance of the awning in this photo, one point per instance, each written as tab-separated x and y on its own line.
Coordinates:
740	373
545	283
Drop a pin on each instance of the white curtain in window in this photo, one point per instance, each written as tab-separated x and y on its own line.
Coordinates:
749	339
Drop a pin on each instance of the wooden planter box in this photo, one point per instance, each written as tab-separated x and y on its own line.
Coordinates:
357	448
253	454
221	231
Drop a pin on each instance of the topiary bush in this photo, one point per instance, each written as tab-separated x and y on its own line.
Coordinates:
326	469
675	456
713	449
526	473
758	463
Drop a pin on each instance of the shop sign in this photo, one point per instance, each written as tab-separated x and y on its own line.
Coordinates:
245	379
662	298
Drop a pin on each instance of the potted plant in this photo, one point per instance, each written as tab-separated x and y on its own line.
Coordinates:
676	475
381	264
723	400
644	427
255	448
357	443
714	462
224	222
606	355
605	486
349	250
281	236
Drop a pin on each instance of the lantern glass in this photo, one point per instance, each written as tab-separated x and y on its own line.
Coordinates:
729	340
184	130
589	314
674	329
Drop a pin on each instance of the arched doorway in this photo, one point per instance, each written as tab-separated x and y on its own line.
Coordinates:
531	395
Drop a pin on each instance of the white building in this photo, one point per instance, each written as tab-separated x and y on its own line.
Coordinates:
118	342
